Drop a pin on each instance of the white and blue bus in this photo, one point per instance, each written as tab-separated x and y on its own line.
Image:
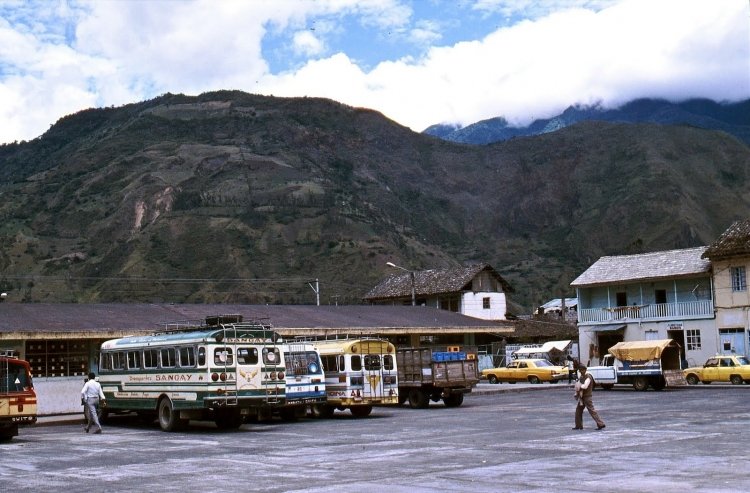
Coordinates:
305	380
222	370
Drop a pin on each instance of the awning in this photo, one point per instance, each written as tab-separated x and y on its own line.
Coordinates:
608	328
641	350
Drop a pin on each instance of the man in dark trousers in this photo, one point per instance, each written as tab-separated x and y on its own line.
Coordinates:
584	391
571	364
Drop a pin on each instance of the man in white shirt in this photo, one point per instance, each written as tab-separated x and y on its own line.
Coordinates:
91	395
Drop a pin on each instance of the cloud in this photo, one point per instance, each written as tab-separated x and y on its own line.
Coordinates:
58	58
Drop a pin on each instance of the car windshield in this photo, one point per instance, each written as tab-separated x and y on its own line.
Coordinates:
742	360
543	362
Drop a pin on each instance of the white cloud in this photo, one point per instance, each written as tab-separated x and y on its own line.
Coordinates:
605	50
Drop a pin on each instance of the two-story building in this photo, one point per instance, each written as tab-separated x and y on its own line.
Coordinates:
658	295
730	259
476	291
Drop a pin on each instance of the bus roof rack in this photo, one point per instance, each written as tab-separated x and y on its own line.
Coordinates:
213	322
336	337
9	353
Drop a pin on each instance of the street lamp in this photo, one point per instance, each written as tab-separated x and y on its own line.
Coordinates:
413	287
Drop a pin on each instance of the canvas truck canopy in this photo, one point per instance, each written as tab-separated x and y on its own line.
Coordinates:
641	350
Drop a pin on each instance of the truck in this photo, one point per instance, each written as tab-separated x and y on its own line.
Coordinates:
425	375
642	364
18	406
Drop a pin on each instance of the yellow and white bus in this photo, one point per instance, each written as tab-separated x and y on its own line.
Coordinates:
222	370
360	373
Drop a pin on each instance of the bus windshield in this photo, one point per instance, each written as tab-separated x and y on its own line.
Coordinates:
14	377
303	363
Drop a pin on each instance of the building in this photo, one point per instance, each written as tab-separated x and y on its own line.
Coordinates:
62	340
476	291
658	295
556	307
730	259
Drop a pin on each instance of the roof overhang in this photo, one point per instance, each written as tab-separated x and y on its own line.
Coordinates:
607	328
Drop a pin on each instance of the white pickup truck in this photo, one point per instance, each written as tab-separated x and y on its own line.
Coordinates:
642	364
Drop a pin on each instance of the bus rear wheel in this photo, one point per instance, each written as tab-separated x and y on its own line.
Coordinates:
169	419
360	411
321	411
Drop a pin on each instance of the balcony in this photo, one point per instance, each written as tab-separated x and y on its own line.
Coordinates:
661	311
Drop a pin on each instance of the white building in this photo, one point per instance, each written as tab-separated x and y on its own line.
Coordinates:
476	291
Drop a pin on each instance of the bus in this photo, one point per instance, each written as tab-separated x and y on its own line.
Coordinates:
305	381
222	370
17	397
359	373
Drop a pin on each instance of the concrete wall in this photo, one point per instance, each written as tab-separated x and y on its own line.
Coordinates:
58	395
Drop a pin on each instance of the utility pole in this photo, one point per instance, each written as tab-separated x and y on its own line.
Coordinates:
316	288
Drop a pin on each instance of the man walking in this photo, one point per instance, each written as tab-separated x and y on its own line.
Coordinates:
571	364
91	396
584	391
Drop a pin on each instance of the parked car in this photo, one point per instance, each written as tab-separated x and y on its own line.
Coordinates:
526	370
724	368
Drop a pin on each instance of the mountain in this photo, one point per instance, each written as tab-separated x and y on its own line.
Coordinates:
733	118
233	197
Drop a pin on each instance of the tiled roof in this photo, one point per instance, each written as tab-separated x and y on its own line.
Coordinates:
734	242
431	282
646	266
123	317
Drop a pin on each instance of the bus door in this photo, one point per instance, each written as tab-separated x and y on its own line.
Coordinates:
224	358
372	369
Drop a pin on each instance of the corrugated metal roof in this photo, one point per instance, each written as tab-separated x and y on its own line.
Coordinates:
646	266
432	282
734	242
123	317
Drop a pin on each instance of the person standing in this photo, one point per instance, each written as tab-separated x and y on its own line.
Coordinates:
571	364
91	396
584	397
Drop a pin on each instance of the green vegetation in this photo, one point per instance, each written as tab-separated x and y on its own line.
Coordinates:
198	199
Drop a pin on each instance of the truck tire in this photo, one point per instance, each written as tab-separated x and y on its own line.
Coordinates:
453	400
658	383
640	383
418	399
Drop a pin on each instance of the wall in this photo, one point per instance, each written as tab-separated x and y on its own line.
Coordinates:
58	395
472	305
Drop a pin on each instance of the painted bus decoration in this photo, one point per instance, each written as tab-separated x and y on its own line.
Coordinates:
359	374
223	370
18	405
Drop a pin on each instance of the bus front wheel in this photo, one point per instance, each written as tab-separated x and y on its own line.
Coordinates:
169	419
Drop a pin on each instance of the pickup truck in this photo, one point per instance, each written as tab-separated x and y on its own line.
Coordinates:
424	375
642	364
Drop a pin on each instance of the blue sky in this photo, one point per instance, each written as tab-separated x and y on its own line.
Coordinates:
419	62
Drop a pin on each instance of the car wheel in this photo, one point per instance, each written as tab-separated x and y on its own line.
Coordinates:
736	380
692	379
492	379
640	383
533	379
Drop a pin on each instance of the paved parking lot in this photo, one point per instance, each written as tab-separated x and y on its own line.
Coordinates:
686	440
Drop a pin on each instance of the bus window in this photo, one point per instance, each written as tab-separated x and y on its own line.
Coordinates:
134	360
271	356
387	362
372	362
187	356
201	356
150	358
223	356
247	355
356	362
105	362
118	361
329	363
168	359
